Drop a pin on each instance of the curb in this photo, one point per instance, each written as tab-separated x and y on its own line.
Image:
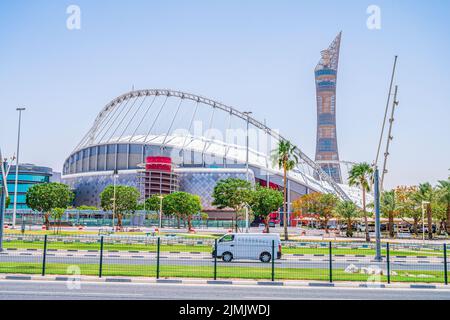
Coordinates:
320	284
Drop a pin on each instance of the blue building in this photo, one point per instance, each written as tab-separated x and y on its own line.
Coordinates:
29	175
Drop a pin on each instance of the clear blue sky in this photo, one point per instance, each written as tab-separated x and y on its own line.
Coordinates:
256	55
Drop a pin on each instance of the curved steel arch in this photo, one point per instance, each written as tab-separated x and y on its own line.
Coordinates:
215	104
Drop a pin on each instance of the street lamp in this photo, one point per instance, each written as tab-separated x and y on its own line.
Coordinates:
378	256
4	168
114	198
423	220
247	113
160	212
17	169
2	213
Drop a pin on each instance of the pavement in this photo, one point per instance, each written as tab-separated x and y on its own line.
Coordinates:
69	290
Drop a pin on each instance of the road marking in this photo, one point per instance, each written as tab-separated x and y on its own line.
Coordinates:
70	292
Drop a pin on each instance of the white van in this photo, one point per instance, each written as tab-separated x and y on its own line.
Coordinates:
252	246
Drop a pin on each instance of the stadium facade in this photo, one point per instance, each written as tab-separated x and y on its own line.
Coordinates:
327	154
164	123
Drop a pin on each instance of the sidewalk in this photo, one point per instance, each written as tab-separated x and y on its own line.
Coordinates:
299	284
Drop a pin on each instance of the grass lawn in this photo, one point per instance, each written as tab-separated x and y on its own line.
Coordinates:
205	248
228	272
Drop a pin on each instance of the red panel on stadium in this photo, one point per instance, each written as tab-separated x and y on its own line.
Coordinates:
158	164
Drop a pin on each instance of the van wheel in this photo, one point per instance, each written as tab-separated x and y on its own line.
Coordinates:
265	257
227	257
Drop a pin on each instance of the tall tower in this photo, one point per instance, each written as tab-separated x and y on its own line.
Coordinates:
326	76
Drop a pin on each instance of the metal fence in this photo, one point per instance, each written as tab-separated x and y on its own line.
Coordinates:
98	218
173	256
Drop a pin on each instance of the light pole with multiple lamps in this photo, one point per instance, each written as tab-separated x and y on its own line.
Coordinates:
378	256
161	197
4	168
3	192
17	169
247	113
115	175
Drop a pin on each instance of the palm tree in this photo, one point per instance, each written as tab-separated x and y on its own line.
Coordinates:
426	193
389	208
348	211
360	175
444	198
284	156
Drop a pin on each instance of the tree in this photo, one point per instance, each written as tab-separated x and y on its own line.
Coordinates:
426	193
264	201
57	214
360	175
48	196
407	205
347	211
153	203
284	156
388	206
7	202
321	205
88	208
232	193
440	215
125	202
184	205
443	196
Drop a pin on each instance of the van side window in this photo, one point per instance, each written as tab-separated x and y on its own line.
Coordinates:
227	238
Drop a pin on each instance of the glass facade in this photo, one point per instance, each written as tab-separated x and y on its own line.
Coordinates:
128	156
29	175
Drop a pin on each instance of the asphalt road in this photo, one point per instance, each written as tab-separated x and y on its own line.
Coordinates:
50	290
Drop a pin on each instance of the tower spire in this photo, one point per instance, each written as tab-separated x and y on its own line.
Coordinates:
326	78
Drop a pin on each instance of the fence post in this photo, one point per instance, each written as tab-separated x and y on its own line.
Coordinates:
445	264
331	261
273	260
101	258
388	263
44	258
215	259
157	257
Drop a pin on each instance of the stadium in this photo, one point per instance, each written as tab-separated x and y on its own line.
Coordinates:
200	141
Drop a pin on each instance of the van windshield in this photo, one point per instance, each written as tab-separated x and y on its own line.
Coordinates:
227	238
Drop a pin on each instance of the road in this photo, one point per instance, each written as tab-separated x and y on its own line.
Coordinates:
50	290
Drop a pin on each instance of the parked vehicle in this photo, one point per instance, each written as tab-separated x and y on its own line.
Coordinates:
251	246
362	227
420	229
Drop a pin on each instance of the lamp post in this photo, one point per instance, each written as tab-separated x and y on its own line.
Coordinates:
17	169
247	113
3	191
423	220
160	212
2	214
114	198
246	218
377	215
